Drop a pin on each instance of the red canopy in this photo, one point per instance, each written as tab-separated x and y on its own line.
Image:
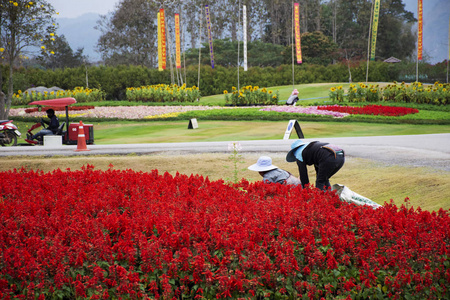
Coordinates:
55	102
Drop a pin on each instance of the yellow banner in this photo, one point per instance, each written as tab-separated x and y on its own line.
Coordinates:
297	32
177	41
159	44
376	16
163	39
420	30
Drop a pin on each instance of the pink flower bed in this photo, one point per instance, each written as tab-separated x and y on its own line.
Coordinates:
122	112
311	110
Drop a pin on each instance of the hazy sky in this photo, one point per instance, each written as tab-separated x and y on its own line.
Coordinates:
73	9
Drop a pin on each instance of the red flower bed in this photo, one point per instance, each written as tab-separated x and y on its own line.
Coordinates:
125	234
71	108
376	110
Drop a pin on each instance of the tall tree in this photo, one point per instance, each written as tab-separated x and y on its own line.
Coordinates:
128	35
61	55
352	23
279	28
23	24
259	54
318	48
395	37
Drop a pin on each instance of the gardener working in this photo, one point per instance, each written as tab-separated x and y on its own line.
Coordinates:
326	158
52	128
271	173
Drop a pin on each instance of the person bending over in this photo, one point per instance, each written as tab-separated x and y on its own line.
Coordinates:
326	158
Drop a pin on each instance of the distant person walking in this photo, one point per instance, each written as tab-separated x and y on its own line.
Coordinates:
273	174
326	158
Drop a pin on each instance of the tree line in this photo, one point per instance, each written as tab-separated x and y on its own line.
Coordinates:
128	34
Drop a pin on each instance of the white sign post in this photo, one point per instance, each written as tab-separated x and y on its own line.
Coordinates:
293	124
193	124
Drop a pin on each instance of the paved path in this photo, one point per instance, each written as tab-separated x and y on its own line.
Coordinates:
432	150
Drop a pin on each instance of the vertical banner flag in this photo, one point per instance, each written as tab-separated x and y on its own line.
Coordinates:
244	33
159	43
208	24
420	30
163	39
376	16
297	32
177	41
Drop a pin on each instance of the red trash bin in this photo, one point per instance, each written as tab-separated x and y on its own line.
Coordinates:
73	133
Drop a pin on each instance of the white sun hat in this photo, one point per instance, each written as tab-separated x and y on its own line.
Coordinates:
264	163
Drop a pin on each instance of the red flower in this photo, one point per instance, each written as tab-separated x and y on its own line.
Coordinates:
378	110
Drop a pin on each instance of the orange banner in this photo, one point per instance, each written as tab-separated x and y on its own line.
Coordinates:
177	41
297	32
159	43
163	39
420	30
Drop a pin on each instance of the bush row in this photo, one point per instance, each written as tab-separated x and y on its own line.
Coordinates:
81	94
251	95
437	94
114	81
163	93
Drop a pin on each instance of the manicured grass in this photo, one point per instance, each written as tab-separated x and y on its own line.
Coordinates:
129	132
308	93
176	131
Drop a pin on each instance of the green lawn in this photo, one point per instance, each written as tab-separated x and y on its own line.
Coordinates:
308	93
252	124
176	131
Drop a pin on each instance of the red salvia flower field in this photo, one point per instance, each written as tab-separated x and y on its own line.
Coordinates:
125	234
376	110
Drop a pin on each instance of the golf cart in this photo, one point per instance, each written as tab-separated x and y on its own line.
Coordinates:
70	133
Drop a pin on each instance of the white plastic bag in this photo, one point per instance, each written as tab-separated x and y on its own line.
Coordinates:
347	195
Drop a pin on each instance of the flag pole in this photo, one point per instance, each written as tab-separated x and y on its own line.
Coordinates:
448	46
200	46
368	43
239	43
293	44
419	36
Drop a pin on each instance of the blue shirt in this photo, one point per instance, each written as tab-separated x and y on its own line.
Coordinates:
299	153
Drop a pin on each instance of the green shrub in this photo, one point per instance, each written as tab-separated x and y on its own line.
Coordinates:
114	81
251	95
417	92
163	93
82	95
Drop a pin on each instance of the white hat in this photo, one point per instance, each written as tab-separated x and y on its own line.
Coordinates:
264	163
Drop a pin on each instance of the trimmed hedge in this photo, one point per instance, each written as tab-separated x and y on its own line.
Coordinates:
115	80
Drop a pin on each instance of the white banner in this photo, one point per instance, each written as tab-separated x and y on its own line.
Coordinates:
244	16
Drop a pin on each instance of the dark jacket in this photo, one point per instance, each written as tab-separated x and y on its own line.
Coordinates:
53	124
313	154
